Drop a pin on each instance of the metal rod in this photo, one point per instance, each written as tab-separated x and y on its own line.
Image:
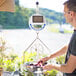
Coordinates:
37	38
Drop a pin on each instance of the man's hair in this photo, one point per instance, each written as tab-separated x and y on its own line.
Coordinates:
71	4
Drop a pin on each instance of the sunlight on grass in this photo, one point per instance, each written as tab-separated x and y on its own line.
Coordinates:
55	28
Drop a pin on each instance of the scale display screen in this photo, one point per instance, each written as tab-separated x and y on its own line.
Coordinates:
38	19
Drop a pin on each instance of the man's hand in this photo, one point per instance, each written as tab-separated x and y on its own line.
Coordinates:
43	60
48	67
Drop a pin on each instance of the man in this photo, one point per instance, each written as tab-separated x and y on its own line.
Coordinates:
69	68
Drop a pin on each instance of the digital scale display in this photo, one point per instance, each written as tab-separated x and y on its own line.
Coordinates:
37	19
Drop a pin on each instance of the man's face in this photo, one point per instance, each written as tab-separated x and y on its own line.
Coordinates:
67	14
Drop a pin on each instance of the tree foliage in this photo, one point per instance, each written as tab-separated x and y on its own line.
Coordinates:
53	16
18	19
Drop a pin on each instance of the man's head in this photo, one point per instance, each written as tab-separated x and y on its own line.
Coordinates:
71	5
70	11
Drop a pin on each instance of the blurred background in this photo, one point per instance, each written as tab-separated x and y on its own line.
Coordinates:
16	36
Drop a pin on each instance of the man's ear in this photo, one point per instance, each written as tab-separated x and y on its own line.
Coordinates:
72	14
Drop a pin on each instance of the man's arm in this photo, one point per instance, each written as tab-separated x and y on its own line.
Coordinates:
67	68
60	52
